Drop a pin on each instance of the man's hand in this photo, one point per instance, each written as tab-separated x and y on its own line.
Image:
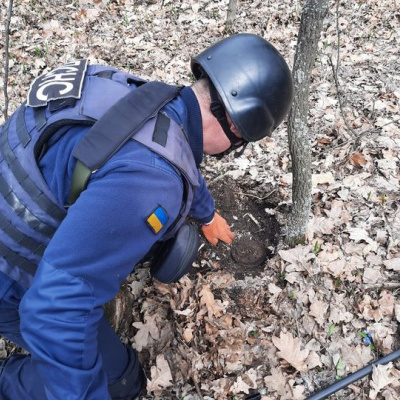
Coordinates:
218	229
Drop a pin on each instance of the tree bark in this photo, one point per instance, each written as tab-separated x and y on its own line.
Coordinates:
7	57
312	17
231	14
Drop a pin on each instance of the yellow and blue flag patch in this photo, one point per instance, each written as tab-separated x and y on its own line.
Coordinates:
157	219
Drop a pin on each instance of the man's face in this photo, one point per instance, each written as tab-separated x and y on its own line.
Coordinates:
220	143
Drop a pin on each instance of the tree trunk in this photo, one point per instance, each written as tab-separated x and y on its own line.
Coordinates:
231	14
312	17
7	57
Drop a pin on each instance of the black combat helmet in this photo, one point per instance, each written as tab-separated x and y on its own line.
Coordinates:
253	82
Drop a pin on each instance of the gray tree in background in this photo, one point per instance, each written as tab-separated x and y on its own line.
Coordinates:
7	57
231	14
312	17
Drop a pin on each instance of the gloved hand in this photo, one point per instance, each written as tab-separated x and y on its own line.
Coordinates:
218	229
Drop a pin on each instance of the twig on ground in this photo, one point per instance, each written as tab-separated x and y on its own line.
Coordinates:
387	285
388	227
196	384
338	41
7	57
360	135
257	197
340	100
340	95
219	177
335	71
252	218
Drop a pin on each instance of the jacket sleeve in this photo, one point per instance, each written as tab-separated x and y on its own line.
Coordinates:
203	206
96	246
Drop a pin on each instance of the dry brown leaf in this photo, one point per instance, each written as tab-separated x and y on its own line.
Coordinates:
336	268
274	289
383	335
239	386
187	334
146	331
277	381
336	211
370	309
313	345
318	310
213	307
298	256
354	181
386	303
381	377
393	264
323	141
372	275
358	159
250	377
136	288
339	309
289	350
390	394
313	360
397	312
329	254
354	357
161	377
297	391
221	279
323	226
340	314
219	386
358	234
321	179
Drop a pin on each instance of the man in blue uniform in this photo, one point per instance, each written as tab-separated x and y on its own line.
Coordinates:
96	169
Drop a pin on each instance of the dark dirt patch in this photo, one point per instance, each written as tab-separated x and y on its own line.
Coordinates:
257	232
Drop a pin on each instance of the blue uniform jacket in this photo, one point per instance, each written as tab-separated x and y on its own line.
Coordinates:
96	246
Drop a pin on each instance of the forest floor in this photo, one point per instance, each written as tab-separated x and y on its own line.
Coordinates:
258	316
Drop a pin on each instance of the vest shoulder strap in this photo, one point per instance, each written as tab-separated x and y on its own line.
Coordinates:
122	121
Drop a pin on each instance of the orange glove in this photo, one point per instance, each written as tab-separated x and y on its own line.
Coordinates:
218	229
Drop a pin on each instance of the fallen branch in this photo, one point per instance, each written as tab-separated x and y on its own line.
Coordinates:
360	135
7	57
257	197
252	218
196	385
339	95
387	286
335	72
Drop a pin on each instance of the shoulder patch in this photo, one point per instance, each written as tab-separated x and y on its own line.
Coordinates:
61	83
157	219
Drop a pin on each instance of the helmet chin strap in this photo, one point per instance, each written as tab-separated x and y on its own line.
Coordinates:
237	154
219	113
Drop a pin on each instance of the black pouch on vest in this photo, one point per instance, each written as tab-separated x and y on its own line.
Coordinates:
175	256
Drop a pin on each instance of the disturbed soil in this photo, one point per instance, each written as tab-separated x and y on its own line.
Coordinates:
257	233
